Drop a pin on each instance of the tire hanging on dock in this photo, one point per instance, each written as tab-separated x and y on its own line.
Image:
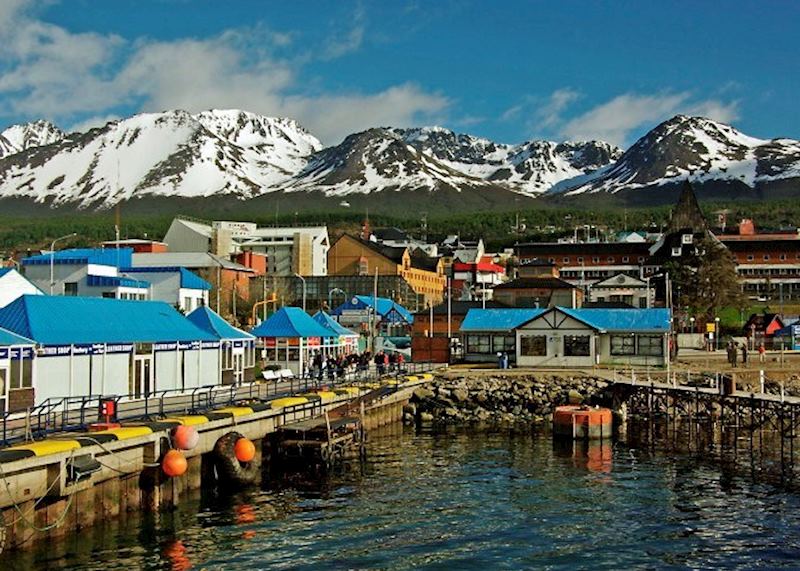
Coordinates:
229	468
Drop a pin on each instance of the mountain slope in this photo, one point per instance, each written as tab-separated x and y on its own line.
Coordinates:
706	152
530	168
20	137
162	154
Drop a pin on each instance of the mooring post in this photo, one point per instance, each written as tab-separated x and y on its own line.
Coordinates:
761	378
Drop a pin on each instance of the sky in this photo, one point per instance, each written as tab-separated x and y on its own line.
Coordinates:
510	71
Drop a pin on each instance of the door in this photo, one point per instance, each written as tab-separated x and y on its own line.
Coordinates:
3	388
238	366
142	376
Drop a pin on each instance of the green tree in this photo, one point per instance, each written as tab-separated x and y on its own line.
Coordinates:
705	281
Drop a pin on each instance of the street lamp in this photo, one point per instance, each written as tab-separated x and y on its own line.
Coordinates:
691	324
330	296
302	279
716	332
52	257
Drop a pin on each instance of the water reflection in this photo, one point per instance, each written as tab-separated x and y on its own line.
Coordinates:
456	499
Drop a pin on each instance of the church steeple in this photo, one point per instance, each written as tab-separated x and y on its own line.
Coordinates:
687	214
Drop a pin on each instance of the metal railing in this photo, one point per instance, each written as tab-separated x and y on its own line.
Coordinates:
68	414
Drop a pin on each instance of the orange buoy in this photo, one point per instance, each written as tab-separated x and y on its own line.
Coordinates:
244	450
185	437
174	464
582	422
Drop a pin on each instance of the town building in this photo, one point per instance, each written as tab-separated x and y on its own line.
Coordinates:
352	256
16	371
95	346
86	272
565	337
435	332
387	317
487	333
538	292
13	285
476	280
176	285
289	250
237	347
289	339
625	289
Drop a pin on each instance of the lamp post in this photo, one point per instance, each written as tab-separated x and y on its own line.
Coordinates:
691	325
302	279
716	333
52	257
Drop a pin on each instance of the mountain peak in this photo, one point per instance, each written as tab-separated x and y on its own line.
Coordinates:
23	136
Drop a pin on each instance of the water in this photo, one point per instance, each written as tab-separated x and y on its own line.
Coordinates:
465	500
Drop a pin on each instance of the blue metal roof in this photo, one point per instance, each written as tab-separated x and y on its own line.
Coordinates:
9	338
213	323
189	279
504	319
291	322
385	307
60	320
331	324
629	320
115	281
118	257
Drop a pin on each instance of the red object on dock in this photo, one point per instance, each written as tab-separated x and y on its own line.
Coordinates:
174	464
582	422
99	426
244	449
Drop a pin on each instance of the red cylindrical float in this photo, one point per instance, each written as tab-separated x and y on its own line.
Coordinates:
174	464
582	422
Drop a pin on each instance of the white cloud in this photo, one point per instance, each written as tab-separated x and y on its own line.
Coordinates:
48	71
92	122
549	115
616	120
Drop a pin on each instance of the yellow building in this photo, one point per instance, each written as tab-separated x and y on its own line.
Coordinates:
351	256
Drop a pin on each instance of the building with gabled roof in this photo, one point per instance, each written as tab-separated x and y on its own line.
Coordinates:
237	347
13	285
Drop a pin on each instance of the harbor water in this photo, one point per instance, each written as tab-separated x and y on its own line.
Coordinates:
458	499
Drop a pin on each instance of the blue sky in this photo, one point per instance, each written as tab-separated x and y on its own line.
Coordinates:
509	71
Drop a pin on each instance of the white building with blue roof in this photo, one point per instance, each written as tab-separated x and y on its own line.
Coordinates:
565	337
94	346
109	272
487	332
237	347
16	370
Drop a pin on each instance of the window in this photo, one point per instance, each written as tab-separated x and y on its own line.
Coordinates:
478	344
502	343
766	257
533	346
641	259
625	259
21	373
610	259
187	304
580	259
651	345
623	345
750	257
71	288
576	346
596	259
782	256
686	239
565	259
109	294
676	251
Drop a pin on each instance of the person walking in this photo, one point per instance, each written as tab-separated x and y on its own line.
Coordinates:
744	354
762	353
731	350
734	354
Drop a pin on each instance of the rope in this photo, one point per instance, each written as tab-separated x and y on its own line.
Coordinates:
24	518
113	453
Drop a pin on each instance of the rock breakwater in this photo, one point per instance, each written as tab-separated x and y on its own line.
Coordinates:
500	398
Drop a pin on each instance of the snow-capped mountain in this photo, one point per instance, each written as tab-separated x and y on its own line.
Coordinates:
240	155
163	154
378	160
531	168
699	150
20	137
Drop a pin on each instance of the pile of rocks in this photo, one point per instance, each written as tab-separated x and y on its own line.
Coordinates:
499	398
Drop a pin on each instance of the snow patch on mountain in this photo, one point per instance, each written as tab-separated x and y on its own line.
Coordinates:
17	138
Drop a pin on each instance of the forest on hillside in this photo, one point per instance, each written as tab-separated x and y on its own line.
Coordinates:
19	234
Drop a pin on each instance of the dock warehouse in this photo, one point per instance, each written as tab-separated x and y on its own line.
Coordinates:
564	337
101	346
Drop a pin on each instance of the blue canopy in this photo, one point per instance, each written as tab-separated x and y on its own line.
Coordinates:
211	322
334	326
628	320
60	320
291	322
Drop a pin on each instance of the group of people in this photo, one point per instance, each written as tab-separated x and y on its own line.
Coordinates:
733	349
337	366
